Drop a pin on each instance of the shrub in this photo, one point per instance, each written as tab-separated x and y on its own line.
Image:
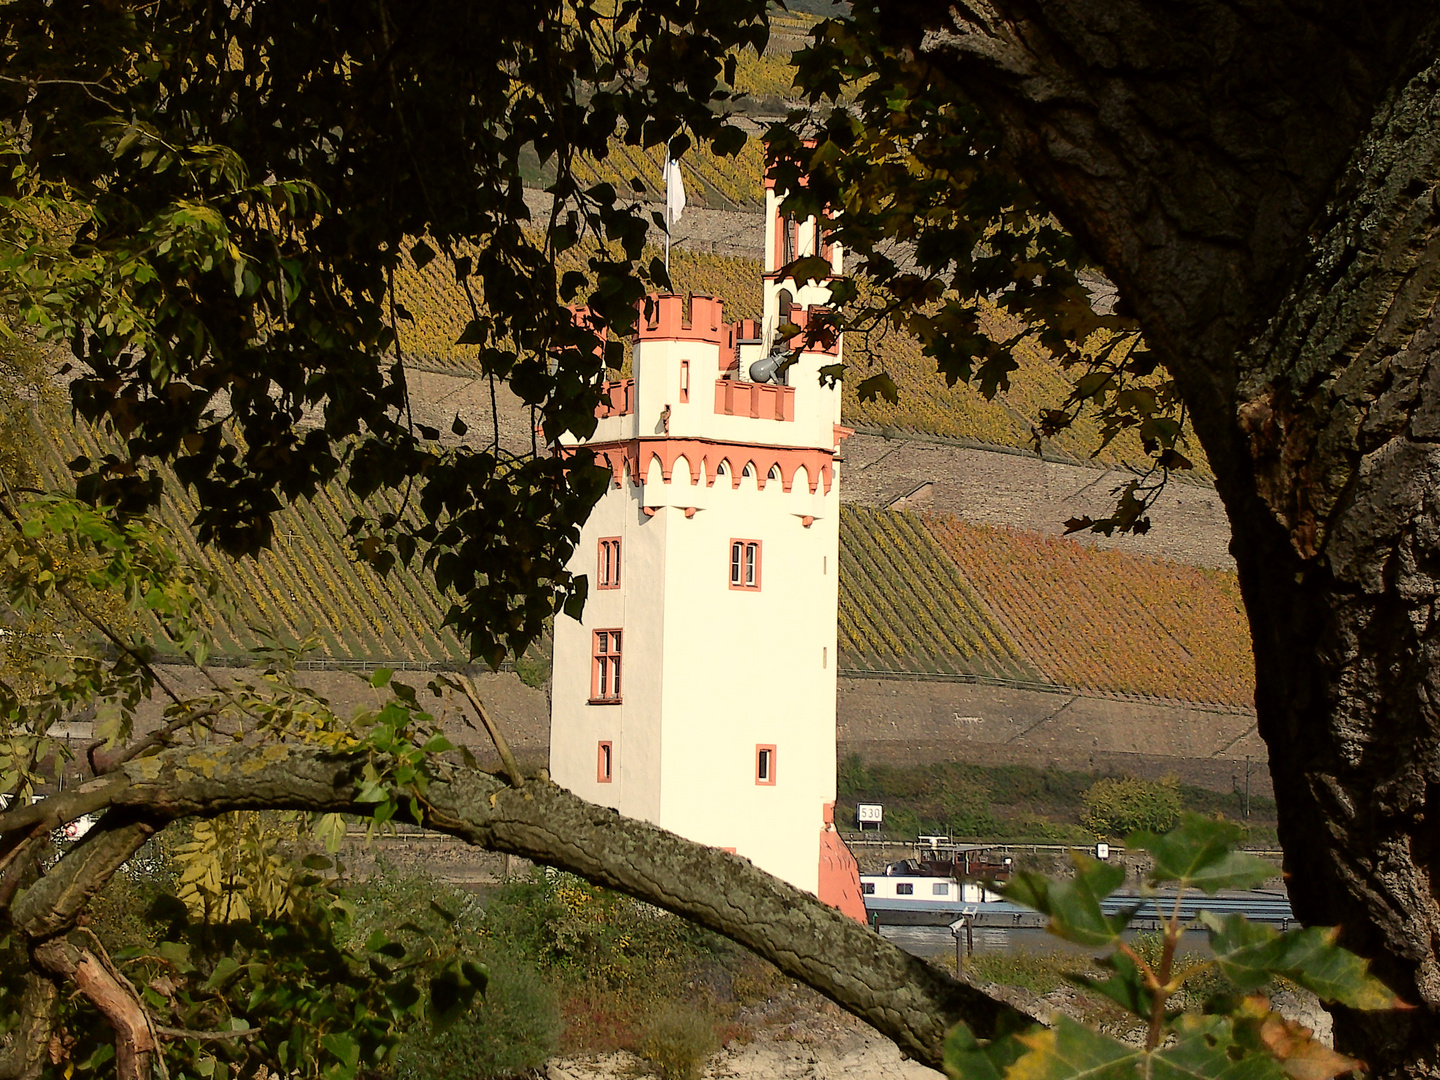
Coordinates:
1115	806
677	1042
1038	972
534	671
577	931
513	1030
964	809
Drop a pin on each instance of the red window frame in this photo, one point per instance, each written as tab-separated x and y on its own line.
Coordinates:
605	762
607	560
684	381
765	765
606	667
743	564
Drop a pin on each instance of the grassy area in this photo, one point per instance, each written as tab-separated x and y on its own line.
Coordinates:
1012	803
573	969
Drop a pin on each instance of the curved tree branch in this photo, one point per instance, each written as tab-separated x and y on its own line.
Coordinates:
901	996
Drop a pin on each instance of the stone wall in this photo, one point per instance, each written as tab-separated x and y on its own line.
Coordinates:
1017	489
913	721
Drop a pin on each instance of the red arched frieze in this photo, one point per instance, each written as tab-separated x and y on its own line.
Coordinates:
703	458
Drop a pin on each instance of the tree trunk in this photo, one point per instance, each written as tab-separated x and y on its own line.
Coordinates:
1261	181
1340	401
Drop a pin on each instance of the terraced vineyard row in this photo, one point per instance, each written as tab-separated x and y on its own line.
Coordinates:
928	406
1103	620
929	594
307	585
904	607
439	309
716	183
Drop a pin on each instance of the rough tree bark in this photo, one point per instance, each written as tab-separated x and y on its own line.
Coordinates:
1260	179
898	994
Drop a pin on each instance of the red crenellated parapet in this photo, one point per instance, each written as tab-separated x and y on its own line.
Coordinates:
668	320
804	318
761	401
618	399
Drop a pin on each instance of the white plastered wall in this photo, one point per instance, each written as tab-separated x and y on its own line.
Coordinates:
746	668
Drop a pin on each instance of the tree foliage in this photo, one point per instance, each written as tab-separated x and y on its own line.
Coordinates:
1231	1035
208	205
938	225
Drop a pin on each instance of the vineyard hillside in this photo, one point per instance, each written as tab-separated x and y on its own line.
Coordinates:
1106	621
919	594
927	405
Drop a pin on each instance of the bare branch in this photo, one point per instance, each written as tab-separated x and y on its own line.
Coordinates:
117	1001
496	736
202	1036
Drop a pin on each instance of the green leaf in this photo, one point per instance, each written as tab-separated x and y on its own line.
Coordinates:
1071	1051
422	253
1126	987
224	971
968	1059
343	1047
475	333
877	386
1205	1050
329	829
476	974
448	916
1074	905
381	677
1198	854
177	954
1250	955
810	268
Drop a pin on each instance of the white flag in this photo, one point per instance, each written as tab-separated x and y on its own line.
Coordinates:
674	191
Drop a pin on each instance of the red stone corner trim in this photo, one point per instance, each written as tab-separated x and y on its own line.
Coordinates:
839	875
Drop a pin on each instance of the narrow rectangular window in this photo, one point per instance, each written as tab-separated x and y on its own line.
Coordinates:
605	763
905	888
745	564
868	888
684	381
607	573
605	674
765	765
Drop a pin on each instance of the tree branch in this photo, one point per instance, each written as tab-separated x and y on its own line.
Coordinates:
116	1000
496	736
899	995
25	1057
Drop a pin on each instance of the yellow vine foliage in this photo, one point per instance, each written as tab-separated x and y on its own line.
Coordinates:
1107	620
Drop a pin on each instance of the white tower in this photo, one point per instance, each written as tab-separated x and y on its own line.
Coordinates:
698	692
